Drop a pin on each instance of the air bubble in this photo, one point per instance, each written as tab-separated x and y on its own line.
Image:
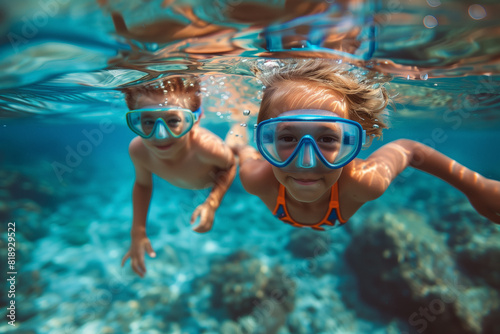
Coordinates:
376	126
218	113
434	3
430	21
424	77
243	125
477	12
246	112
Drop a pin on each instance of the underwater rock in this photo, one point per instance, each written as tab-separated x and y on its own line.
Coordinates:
4	209
28	311
481	258
21	187
31	283
404	267
296	325
31	224
308	243
230	327
155	296
24	331
459	221
457	227
175	309
491	325
256	296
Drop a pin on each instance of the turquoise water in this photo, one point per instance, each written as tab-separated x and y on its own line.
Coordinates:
417	260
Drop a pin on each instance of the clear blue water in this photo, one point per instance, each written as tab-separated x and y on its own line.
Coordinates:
62	64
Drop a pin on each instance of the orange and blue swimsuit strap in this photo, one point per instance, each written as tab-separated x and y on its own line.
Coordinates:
280	210
332	215
334	207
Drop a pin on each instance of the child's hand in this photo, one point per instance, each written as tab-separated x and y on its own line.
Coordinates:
140	245
206	212
485	198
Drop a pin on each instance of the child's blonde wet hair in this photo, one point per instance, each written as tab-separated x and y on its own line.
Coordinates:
366	98
182	91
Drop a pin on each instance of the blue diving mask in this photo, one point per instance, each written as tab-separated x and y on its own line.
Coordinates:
333	140
162	122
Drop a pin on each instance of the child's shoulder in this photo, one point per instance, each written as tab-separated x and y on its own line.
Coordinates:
210	148
206	138
257	177
361	182
207	142
136	149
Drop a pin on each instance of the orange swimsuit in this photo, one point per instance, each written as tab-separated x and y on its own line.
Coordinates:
331	217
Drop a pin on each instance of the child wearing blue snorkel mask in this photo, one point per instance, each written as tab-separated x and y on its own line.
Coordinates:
172	145
312	122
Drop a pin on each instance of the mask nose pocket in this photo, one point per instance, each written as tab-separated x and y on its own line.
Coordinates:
161	131
306	157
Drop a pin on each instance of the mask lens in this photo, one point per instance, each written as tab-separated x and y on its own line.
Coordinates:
335	142
177	122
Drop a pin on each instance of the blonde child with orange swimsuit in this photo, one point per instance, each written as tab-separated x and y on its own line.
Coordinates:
311	125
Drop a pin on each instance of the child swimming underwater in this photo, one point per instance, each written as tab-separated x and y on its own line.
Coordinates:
173	146
312	122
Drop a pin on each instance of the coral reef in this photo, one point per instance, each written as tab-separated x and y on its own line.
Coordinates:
305	243
406	268
255	296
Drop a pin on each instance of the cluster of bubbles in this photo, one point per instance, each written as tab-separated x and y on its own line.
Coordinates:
246	113
476	12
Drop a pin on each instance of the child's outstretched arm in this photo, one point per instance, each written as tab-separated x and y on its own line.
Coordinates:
141	197
382	167
221	156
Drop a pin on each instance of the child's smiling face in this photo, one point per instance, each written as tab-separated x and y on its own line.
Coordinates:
306	184
167	147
